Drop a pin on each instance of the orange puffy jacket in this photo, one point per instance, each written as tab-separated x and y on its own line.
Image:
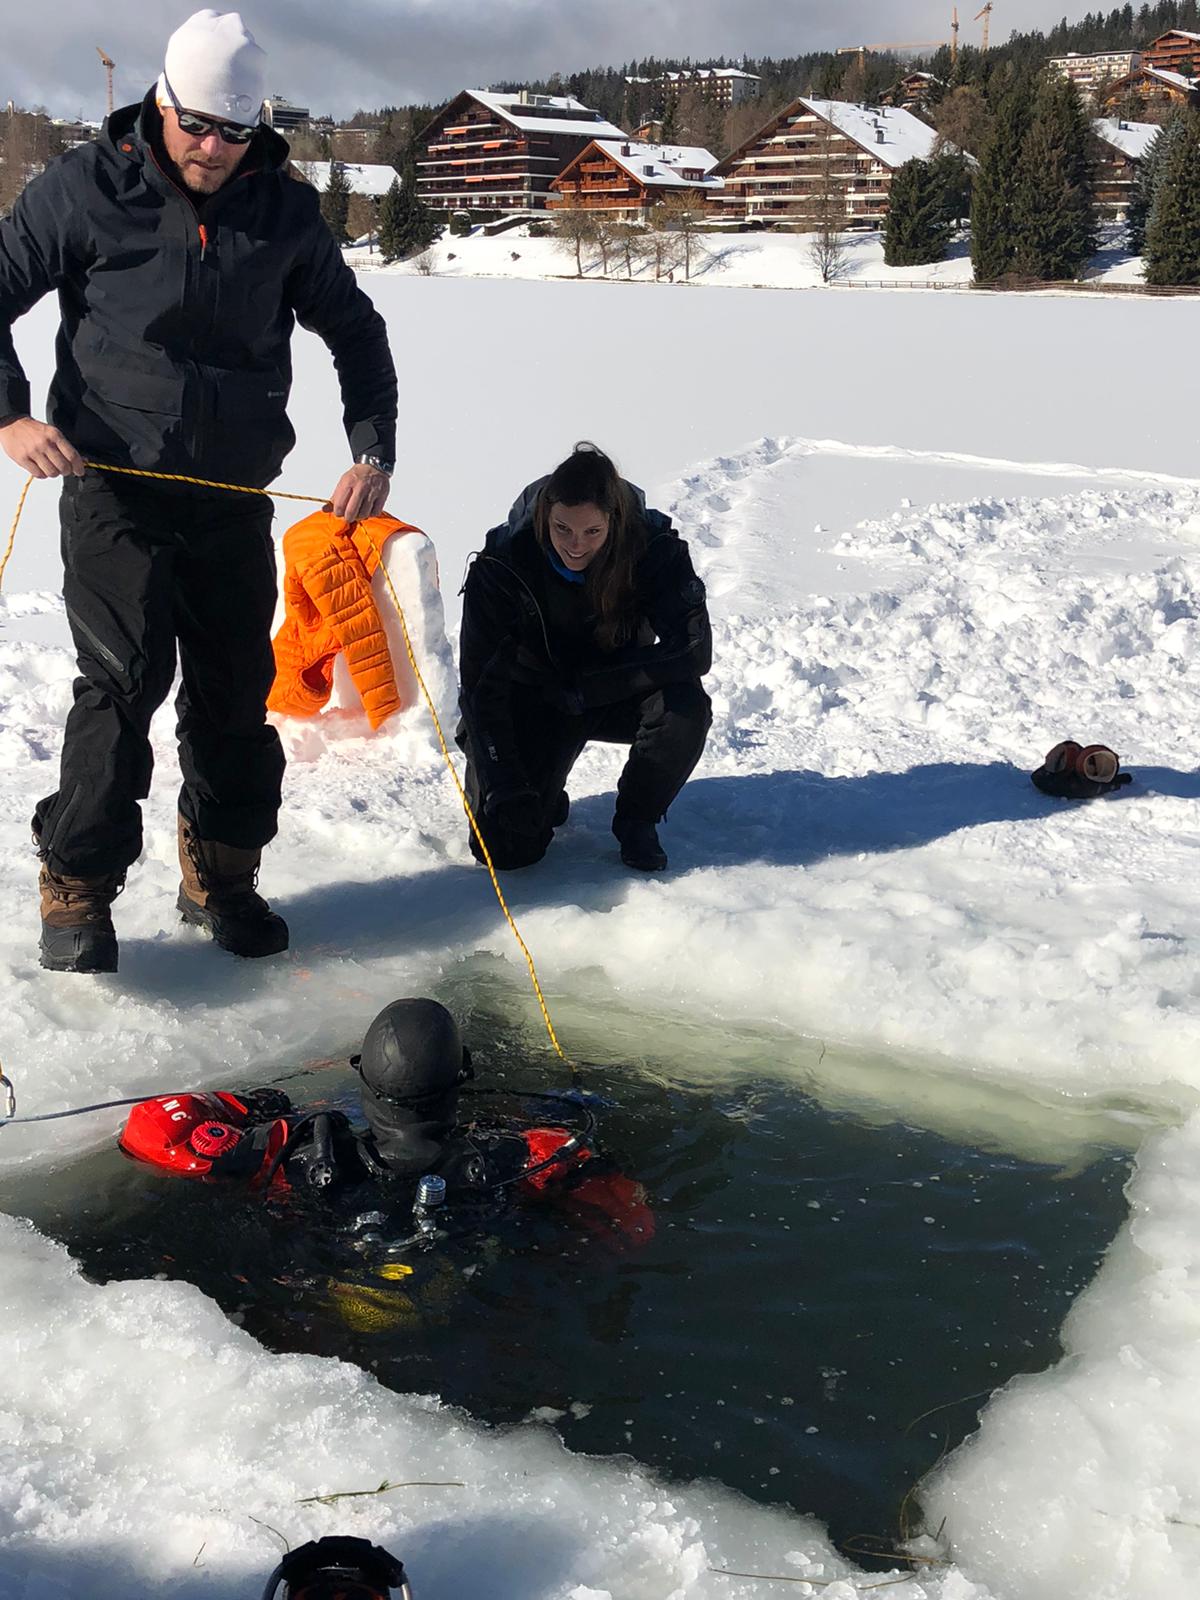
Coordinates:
328	565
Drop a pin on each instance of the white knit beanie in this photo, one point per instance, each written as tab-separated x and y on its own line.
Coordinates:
215	68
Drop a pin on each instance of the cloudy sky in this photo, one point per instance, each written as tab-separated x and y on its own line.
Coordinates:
334	55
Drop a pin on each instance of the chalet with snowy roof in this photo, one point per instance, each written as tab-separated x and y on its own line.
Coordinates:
1093	74
916	92
1119	148
1158	91
627	178
1176	51
502	151
817	148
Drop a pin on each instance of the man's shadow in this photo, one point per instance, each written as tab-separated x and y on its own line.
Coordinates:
783	818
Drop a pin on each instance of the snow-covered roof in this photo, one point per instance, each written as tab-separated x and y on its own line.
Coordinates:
1177	33
710	72
371	180
1175	79
517	111
662	165
905	137
1132	139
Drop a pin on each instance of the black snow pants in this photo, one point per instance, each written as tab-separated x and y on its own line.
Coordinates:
150	569
665	730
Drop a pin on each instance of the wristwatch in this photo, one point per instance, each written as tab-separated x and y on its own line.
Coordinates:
375	461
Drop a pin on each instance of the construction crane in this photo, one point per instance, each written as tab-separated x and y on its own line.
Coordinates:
108	64
986	14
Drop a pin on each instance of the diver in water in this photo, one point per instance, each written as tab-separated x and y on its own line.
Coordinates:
413	1066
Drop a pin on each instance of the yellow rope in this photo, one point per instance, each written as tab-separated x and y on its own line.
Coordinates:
12	534
241	488
206	483
462	795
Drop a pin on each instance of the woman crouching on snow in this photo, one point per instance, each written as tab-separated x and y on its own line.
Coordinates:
582	619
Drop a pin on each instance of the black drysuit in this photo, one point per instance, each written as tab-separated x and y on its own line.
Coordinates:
536	685
173	355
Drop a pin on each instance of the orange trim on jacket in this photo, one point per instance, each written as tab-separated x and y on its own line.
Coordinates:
330	610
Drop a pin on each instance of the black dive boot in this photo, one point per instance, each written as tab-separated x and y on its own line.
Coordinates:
640	847
218	893
77	929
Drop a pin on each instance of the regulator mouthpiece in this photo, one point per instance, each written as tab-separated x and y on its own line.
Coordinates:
431	1192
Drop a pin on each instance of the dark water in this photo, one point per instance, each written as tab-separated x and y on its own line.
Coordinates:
821	1312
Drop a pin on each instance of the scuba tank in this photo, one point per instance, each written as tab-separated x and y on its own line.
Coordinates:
338	1568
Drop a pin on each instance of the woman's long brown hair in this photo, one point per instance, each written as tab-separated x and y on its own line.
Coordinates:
588	477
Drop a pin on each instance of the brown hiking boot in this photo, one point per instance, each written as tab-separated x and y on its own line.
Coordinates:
218	893
77	929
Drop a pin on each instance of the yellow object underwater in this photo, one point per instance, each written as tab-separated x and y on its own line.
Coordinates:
365	1309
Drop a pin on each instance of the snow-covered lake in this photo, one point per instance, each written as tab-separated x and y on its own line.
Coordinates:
939	536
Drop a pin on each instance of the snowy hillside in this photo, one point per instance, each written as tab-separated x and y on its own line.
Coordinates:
923	572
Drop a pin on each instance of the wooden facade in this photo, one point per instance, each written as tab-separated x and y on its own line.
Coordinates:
1176	51
501	152
917	92
1159	92
819	161
1118	149
628	179
1093	74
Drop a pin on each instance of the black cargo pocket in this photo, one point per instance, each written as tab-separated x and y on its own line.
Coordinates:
47	837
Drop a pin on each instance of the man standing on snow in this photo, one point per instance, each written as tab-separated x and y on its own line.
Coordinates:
183	253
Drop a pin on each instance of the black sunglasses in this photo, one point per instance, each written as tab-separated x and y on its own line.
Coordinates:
198	127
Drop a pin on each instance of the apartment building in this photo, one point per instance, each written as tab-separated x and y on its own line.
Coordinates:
501	152
815	150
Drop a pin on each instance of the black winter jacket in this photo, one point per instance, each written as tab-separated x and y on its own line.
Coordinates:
174	352
524	624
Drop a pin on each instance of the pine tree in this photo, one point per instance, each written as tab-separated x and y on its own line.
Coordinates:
997	185
1173	231
917	230
1053	218
1147	182
335	202
390	212
406	224
670	119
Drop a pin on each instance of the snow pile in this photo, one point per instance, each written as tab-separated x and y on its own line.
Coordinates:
1083	1480
860	859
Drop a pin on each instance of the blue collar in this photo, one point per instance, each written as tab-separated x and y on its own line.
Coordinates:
564	572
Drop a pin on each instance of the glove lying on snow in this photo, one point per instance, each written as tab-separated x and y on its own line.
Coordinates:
1080	772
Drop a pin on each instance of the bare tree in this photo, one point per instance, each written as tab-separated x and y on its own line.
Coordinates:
574	230
684	214
28	139
604	237
361	216
630	245
962	120
699	119
827	249
662	243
